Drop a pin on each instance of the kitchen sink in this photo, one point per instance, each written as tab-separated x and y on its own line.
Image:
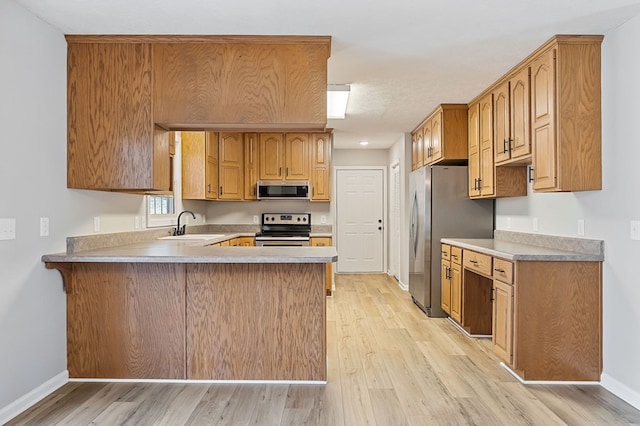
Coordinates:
192	237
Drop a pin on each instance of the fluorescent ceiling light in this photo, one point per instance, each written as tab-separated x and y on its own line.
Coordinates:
364	143
337	98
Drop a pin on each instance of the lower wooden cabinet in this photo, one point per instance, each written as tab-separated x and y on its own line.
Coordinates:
456	291
445	290
319	242
502	333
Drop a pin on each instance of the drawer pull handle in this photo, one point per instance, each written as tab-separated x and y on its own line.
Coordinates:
455	256
475	262
502	271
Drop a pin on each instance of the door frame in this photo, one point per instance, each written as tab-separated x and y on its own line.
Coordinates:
385	205
393	241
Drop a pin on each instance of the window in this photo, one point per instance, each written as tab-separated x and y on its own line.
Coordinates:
160	204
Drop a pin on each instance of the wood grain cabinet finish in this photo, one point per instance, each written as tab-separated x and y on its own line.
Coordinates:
231	166
248	81
321	166
512	120
251	166
325	242
112	142
441	137
545	317
566	115
199	165
284	156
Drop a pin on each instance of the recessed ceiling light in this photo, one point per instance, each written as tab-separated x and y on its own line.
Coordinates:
364	143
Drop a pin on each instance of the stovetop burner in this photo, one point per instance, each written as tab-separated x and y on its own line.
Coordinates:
285	225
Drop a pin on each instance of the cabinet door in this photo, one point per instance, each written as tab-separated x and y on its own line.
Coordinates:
502	333
414	150
110	131
435	145
543	130
230	166
426	143
297	156
474	150
501	120
251	166
445	291
196	165
211	172
456	292
321	167
520	99
487	186
417	159
271	156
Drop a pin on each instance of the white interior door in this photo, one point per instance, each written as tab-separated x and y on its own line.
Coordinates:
360	220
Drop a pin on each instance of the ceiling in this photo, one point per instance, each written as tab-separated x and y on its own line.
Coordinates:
401	57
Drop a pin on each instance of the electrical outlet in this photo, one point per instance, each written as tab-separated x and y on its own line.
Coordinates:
44	226
144	222
581	227
323	219
508	223
534	224
7	229
635	230
255	219
136	222
96	224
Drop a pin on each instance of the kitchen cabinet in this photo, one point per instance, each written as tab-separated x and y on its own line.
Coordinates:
441	137
231	166
544	316
231	82
566	115
199	165
455	277
284	156
512	120
112	142
502	329
321	167
485	179
322	242
251	166
445	289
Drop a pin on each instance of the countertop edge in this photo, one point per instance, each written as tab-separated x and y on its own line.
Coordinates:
554	255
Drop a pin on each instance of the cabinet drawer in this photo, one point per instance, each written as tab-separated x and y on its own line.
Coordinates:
503	270
446	252
456	255
320	241
477	262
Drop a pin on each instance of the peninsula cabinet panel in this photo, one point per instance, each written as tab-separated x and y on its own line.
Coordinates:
218	82
228	306
321	167
251	166
112	143
566	115
126	321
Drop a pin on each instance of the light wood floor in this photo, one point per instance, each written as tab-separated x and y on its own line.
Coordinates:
389	364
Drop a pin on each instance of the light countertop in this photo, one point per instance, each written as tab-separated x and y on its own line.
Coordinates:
516	251
196	251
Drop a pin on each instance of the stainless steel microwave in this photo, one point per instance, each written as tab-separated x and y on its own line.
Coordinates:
283	190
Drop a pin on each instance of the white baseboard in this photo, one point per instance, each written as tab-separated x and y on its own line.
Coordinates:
547	382
620	390
24	402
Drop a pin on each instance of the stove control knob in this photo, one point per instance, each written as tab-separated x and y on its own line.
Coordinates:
304	219
273	218
298	219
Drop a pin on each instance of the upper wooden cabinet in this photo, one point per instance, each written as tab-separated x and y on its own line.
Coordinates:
199	165
112	143
249	81
566	115
284	156
321	167
512	120
231	166
441	137
251	166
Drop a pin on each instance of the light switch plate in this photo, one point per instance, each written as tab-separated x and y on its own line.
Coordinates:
96	224
534	224
136	222
255	219
581	227
44	226
323	219
7	229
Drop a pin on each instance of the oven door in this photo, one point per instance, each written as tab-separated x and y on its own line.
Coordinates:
282	242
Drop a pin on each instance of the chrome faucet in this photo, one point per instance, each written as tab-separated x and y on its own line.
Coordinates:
180	230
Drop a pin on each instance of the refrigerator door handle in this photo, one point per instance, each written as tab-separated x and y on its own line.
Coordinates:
414	224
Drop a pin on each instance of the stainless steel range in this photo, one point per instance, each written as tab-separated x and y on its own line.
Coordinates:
284	229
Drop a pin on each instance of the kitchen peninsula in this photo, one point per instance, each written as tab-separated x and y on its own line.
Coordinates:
172	309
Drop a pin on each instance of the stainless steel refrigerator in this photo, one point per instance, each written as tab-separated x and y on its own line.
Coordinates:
440	208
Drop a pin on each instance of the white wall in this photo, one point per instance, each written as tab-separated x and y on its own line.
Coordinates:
606	213
360	157
237	212
400	153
